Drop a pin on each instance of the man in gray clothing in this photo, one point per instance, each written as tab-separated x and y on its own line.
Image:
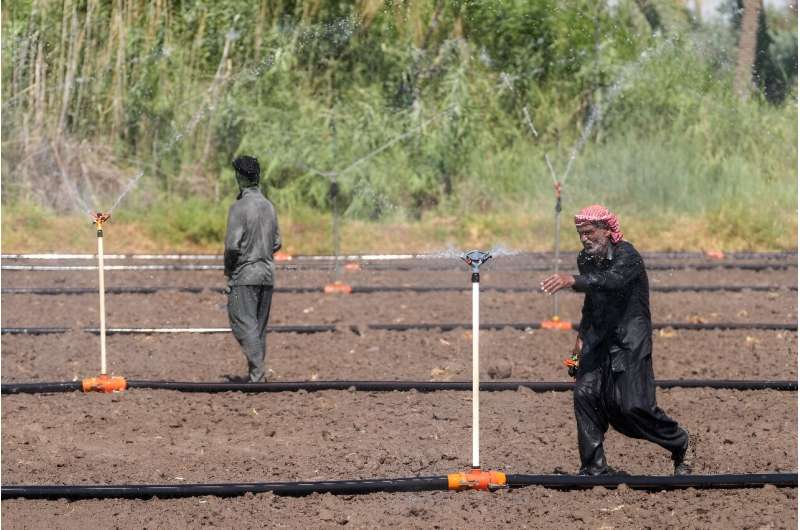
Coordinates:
250	241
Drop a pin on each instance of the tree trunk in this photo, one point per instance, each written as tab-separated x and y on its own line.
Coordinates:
743	81
651	14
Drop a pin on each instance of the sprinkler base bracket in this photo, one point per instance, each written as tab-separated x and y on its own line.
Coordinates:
338	288
104	383
477	479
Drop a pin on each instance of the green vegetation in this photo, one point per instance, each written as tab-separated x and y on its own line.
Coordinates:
435	94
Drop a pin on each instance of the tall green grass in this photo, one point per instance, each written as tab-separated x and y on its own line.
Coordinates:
435	112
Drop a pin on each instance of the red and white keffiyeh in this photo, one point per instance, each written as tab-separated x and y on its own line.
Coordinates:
599	214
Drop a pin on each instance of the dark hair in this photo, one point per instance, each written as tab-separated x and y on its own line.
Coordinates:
248	169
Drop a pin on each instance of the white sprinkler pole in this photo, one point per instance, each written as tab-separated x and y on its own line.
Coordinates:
475	259
101	268
475	372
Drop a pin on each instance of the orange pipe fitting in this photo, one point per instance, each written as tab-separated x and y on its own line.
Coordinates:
104	383
338	288
556	323
282	256
476	479
572	362
715	254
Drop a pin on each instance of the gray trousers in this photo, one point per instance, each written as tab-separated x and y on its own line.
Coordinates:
248	313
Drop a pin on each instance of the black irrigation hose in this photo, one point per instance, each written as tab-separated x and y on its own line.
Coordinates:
146	491
94	290
445	326
33	330
714	288
271	329
353	487
41	388
538	325
653	483
387	386
433	386
367	289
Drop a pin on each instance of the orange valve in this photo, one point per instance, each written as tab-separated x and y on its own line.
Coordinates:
338	287
104	383
352	266
477	479
282	256
571	362
557	324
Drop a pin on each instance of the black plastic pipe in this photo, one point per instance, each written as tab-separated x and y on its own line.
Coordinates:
41	388
145	491
94	290
387	386
538	325
432	386
272	329
353	487
647	482
444	326
33	330
367	289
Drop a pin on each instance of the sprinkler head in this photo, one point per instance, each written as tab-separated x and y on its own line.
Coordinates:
476	258
99	218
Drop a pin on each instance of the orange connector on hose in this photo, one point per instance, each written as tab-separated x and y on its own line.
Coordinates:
338	288
282	256
556	323
104	383
476	479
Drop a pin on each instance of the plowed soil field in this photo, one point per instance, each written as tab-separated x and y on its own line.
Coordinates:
166	437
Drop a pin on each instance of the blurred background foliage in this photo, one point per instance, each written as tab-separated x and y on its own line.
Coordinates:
415	108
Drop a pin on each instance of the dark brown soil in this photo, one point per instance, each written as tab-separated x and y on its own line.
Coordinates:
163	437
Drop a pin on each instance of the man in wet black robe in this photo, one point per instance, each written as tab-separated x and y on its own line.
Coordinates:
614	378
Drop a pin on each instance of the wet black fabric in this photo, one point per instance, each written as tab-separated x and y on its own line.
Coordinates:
248	313
615	383
251	239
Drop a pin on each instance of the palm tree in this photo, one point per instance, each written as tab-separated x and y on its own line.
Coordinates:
743	80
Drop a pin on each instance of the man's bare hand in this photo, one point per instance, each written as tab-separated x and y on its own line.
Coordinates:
556	282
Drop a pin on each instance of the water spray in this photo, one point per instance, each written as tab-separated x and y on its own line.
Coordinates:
337	286
555	322
102	383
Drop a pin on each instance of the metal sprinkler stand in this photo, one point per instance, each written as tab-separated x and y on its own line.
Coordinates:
337	286
476	478
555	322
103	382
